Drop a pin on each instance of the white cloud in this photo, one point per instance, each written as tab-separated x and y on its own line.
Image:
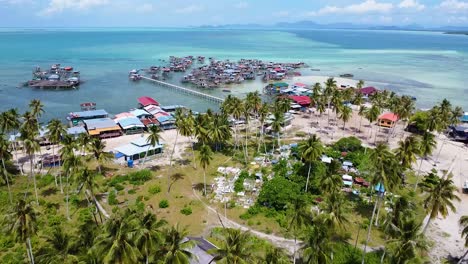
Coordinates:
411	4
241	5
368	6
57	6
386	19
189	9
454	6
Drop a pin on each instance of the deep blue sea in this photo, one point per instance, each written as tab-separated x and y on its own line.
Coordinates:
428	65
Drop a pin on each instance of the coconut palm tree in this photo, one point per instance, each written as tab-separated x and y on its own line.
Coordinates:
320	107
360	84
372	116
345	114
31	146
117	243
311	150
334	211
399	206
71	165
148	233
455	116
176	248
237	248
97	148
364	225
220	131
337	101
186	129
55	131
278	120
317	247
179	116
330	86
427	145
362	113
440	199
237	111
282	104
36	107
407	151
60	248
386	174
22	224
464	224
275	255
317	90
202	128
152	139
300	217
9	123
87	181
205	157
4	156
263	112
408	241
84	140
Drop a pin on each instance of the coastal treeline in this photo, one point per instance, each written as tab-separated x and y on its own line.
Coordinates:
62	215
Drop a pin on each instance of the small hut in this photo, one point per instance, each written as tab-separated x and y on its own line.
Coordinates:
387	120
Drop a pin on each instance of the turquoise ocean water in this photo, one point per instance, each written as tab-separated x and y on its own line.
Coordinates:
428	65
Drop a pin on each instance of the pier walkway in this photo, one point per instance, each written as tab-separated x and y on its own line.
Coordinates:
186	90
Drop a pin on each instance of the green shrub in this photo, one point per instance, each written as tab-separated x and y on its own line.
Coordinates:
45	180
112	199
164	203
139	177
250	223
155	189
187	210
348	144
245	216
132	191
119	187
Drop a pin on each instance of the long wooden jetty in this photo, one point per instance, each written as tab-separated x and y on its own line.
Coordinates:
186	90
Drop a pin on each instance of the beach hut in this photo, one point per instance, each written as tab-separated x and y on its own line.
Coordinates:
347	180
301	100
387	120
146	100
102	128
138	148
368	91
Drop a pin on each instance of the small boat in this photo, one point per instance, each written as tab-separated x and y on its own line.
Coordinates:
347	75
312	69
226	90
88	106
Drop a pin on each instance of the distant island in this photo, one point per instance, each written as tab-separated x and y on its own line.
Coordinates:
457	33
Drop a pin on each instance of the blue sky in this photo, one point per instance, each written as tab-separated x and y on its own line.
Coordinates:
164	13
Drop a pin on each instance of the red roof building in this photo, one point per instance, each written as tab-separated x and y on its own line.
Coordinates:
146	100
301	100
388	119
367	91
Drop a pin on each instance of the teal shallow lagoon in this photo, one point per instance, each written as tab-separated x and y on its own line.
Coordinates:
428	65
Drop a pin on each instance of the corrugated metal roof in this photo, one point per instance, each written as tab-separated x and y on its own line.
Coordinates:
132	149
139	112
76	130
129	122
99	123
